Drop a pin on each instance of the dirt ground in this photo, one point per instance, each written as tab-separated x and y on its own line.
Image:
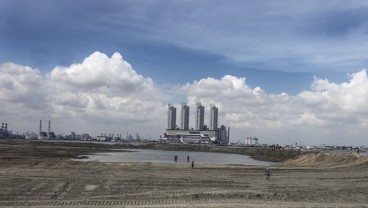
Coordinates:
33	180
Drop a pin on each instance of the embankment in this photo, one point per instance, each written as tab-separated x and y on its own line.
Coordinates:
329	159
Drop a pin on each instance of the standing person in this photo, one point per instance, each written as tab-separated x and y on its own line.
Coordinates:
188	159
192	164
176	158
268	173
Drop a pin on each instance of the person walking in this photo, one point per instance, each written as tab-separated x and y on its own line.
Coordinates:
176	158
188	159
268	173
192	164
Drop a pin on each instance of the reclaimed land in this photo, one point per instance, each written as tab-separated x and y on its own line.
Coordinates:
42	174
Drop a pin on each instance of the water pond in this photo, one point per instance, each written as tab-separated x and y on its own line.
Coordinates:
161	156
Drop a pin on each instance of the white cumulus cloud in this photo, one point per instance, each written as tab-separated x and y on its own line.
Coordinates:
105	94
325	113
99	94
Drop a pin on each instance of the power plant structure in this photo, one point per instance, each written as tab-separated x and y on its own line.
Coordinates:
5	133
48	130
4	127
45	135
201	133
4	130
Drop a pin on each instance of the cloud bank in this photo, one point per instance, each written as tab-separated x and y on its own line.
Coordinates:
328	112
106	95
99	95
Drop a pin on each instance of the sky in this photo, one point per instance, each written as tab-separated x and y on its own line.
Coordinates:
283	71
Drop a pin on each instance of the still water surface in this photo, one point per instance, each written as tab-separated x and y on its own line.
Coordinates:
161	156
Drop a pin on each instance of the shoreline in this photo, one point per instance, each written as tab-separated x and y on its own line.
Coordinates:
86	147
166	157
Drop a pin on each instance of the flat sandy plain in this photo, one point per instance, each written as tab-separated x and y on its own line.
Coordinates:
45	176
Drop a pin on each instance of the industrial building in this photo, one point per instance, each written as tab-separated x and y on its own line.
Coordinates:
223	135
45	135
4	130
190	136
6	134
251	141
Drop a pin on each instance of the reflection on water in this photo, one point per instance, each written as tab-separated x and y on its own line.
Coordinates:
160	156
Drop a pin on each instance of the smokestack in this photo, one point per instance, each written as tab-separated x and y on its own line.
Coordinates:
48	130
39	132
228	133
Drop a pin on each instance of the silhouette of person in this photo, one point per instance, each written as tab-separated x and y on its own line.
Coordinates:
192	164
176	158
188	159
268	173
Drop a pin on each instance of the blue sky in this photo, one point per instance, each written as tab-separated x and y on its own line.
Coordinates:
279	46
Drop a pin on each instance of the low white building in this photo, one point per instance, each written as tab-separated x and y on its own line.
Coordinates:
251	141
103	138
190	136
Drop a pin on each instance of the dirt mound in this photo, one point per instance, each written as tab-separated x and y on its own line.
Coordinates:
329	159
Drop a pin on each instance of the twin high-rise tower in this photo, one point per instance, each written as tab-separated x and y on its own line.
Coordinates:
171	117
213	117
200	117
184	120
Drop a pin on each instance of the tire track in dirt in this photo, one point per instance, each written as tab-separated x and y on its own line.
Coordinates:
104	203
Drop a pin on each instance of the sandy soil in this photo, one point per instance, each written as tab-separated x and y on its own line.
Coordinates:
33	181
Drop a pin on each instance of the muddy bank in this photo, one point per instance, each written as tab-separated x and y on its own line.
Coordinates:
24	150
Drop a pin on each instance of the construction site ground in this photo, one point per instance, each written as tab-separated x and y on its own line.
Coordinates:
34	175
